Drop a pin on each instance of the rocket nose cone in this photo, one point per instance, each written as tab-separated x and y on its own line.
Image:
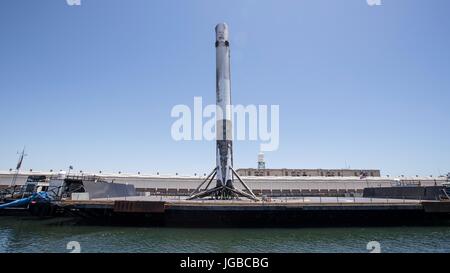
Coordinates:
221	27
222	32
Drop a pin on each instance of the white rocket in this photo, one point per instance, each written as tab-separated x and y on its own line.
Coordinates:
224	156
224	172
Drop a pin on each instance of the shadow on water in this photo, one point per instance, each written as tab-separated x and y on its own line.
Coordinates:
21	234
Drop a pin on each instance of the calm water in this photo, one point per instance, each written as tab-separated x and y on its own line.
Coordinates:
31	235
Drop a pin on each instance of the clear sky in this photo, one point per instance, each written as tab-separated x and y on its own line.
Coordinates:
93	85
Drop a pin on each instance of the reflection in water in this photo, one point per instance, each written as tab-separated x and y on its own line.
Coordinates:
31	235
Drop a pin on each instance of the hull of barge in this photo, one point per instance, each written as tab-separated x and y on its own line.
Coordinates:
223	214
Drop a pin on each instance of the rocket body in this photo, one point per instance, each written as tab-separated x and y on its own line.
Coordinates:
224	150
224	174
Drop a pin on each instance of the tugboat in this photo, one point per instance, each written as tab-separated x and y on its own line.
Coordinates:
34	183
40	194
16	199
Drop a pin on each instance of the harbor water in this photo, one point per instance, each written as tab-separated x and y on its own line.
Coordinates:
41	236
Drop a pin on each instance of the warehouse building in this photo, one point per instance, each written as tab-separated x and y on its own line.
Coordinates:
310	172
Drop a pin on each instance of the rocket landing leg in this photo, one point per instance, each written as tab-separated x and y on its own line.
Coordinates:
222	192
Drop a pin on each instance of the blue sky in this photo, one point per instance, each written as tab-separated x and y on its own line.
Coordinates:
92	86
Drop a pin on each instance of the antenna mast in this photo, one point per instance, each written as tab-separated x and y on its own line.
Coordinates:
18	166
